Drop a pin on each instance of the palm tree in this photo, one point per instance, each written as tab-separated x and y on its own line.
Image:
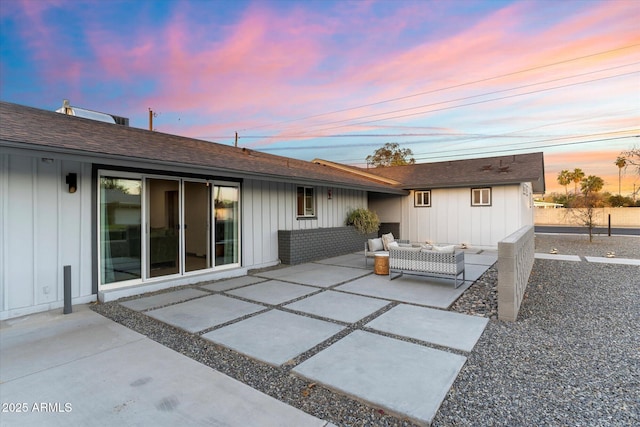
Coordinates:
576	177
564	178
591	184
620	163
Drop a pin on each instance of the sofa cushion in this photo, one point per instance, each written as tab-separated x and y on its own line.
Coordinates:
375	245
449	249
386	239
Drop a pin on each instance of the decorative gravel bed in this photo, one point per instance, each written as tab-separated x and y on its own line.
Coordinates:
572	358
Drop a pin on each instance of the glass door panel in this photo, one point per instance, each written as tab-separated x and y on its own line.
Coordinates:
120	231
163	239
226	224
196	226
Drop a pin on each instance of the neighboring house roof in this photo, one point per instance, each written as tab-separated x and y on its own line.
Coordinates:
26	127
488	171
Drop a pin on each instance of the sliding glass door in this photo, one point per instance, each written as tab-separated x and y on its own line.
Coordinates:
163	227
157	226
226	224
197	213
120	229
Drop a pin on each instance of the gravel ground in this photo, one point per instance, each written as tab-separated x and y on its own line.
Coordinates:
572	358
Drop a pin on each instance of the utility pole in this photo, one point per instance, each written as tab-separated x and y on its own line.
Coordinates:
150	119
236	139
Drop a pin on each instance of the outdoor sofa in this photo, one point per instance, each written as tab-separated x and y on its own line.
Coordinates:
427	260
380	245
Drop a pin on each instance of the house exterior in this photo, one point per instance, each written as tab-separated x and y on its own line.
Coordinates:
477	202
129	211
132	211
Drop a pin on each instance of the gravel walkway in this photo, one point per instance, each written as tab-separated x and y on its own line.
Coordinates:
572	358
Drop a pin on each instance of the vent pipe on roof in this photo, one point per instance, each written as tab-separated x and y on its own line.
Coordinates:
66	107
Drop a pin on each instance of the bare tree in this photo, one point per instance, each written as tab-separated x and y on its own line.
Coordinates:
583	209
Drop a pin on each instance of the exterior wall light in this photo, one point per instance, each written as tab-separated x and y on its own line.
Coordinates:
72	181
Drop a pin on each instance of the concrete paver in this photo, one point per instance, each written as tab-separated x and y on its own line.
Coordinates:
487	259
420	290
444	328
273	292
316	274
350	260
472	272
404	378
236	282
203	313
163	299
85	370
605	260
558	257
338	306
275	336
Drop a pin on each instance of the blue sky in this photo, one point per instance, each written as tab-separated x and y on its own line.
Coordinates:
338	79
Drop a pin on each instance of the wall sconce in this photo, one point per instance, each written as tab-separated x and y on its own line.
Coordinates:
72	181
329	194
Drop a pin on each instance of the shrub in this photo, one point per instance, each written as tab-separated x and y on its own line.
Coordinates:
364	220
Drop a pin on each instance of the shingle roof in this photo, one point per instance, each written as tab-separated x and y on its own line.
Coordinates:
487	171
22	126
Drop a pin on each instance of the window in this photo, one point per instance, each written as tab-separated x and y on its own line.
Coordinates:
306	202
481	197
422	198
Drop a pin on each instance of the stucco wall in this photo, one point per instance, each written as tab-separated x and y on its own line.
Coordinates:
620	217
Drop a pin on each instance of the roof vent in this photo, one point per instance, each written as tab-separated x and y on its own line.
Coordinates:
503	169
487	167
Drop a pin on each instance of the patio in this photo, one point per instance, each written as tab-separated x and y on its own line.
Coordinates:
389	343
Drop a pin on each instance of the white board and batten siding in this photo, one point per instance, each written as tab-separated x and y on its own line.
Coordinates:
452	220
43	228
271	206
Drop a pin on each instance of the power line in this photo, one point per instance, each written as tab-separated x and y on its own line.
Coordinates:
502	150
472	103
447	87
308	134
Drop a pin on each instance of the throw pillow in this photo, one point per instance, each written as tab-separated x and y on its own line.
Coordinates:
386	239
375	245
444	249
393	244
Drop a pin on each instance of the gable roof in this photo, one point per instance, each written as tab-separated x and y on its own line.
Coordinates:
26	127
488	171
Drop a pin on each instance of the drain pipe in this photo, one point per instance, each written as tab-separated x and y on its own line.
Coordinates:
67	290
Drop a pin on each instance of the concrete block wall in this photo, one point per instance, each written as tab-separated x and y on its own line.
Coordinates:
515	261
299	246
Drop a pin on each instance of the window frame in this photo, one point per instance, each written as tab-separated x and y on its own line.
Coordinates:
305	196
482	202
415	199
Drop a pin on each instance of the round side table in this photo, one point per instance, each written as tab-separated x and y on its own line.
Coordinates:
381	264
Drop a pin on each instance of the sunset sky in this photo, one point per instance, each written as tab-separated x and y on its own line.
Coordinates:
338	79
